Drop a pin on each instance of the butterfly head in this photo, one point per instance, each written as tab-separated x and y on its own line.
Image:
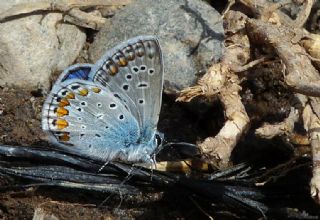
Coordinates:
159	137
158	143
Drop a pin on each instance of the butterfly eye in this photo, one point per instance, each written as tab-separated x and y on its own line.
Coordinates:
158	139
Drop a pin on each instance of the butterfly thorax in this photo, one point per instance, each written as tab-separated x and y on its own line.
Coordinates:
141	151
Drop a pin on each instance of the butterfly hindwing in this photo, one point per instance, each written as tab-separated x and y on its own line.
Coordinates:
87	119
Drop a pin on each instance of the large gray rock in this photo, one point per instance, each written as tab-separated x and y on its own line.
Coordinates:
190	33
33	47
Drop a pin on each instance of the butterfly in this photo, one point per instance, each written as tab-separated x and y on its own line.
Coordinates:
109	110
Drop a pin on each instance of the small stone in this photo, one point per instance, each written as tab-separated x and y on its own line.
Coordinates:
190	34
32	47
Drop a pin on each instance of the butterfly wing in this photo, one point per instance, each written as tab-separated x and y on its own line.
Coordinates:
87	119
134	70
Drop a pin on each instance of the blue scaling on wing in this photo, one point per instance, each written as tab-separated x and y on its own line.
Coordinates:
77	71
81	73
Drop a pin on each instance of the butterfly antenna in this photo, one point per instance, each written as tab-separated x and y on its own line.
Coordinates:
179	144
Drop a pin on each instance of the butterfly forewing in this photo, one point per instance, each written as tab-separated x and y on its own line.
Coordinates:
134	71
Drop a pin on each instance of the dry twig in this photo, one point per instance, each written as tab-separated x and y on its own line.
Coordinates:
285	128
221	81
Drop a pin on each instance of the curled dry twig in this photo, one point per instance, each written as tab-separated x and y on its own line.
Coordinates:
221	81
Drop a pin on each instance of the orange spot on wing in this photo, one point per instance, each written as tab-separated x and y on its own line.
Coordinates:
70	95
113	69
61	111
64	137
96	89
122	61
63	102
61	123
83	92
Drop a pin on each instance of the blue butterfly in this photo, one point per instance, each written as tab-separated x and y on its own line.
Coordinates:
109	110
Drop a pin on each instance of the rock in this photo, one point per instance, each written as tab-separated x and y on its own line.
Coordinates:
32	47
190	33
